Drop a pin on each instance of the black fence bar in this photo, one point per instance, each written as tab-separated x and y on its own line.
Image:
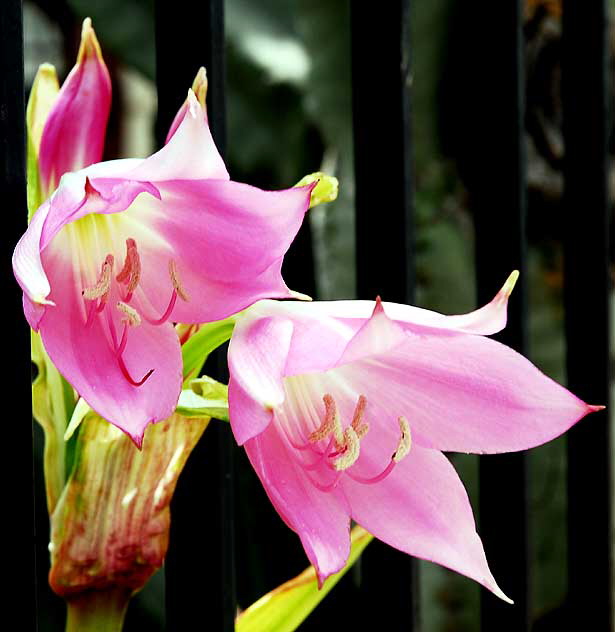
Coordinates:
498	199
199	569
381	78
586	93
17	531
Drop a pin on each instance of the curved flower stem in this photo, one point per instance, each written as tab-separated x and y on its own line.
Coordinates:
95	611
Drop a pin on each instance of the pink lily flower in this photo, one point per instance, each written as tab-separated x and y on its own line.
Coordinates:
125	248
73	135
344	408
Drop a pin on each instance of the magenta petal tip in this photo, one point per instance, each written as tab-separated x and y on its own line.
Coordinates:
595	408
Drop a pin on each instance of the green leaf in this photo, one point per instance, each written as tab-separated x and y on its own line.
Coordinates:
209	337
206	397
286	607
53	401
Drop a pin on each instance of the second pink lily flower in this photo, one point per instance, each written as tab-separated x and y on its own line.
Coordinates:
344	409
123	249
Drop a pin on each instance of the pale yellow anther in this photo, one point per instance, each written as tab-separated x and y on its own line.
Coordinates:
331	423
101	289
352	447
405	441
358	425
131	315
176	282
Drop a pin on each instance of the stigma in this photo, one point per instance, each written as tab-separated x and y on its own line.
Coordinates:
124	284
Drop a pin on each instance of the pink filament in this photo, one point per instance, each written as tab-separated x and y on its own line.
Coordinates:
322	457
167	313
374	479
329	486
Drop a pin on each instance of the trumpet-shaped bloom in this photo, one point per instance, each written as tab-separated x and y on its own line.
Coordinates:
344	409
125	248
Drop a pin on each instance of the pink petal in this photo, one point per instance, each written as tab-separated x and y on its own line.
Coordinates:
257	355
85	357
487	320
465	393
227	239
27	264
86	196
74	134
190	154
318	341
76	198
379	334
422	508
321	519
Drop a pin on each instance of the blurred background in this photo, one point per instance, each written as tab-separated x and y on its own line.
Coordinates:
289	113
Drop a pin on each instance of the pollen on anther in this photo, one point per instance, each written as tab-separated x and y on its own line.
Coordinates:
101	288
177	286
351	450
131	315
359	426
331	423
405	441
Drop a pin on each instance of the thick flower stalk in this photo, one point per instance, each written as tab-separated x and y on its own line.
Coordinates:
123	249
110	529
344	409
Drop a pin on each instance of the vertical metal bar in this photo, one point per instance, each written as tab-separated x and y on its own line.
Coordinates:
498	198
585	88
17	532
381	78
199	569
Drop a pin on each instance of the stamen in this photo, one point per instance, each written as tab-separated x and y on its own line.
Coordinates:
131	272
374	479
405	441
360	427
403	448
123	341
329	486
167	312
131	315
331	423
322	456
176	282
103	284
351	453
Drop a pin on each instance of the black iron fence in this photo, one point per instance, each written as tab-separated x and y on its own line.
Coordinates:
201	578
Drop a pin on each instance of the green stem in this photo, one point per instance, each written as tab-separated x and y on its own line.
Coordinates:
97	611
